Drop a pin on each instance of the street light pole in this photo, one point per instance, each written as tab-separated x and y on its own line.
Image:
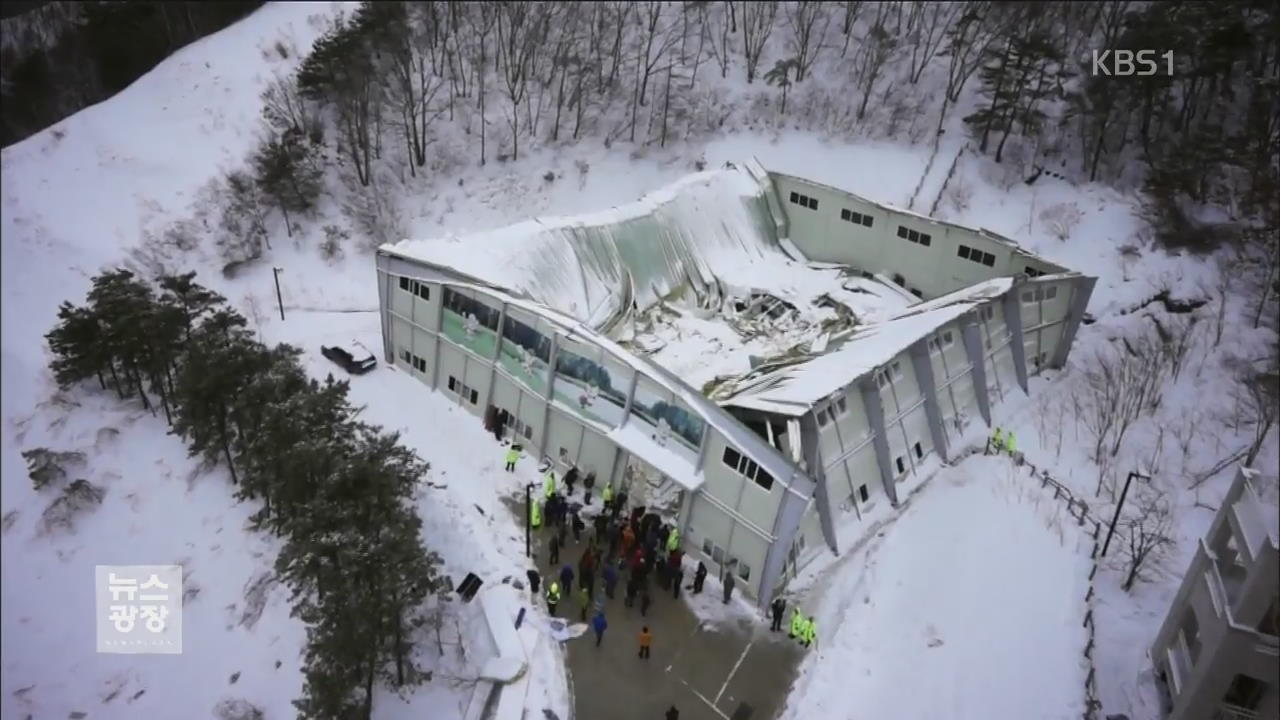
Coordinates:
1119	506
528	519
280	301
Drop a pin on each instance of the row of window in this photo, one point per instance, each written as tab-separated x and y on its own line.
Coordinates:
720	557
804	201
521	429
838	407
914	236
856	218
940	342
976	255
413	287
418	363
1039	294
467	393
747	468
900	461
885	375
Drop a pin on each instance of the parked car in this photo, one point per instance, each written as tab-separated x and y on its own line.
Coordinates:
352	357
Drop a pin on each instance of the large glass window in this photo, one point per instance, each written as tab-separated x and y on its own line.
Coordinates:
470	321
525	350
588	386
657	406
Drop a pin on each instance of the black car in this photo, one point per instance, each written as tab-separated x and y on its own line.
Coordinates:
353	357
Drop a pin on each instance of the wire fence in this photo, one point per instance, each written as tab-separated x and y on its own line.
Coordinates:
1078	509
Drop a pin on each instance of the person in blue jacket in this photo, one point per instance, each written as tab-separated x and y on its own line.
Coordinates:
598	623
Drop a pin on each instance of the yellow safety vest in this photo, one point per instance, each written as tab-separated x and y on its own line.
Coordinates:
549	485
608	493
673	540
513	455
810	631
553	593
1010	442
535	514
797	622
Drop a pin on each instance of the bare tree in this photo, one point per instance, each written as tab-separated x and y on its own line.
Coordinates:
852	9
1258	399
522	26
758	17
719	40
879	45
926	29
808	22
1148	534
481	18
1185	429
1120	387
412	85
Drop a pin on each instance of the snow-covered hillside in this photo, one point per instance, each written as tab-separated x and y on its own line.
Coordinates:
92	191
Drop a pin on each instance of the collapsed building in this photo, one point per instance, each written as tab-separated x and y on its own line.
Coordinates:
765	356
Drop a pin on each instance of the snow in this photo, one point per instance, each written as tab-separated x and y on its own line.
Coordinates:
793	390
632	438
98	187
968	605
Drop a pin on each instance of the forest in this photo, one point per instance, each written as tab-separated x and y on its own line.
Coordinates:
397	97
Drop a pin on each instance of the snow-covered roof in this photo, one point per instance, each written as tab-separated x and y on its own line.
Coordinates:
714	415
793	390
696	233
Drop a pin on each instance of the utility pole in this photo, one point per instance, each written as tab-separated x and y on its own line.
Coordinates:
528	519
276	271
1120	505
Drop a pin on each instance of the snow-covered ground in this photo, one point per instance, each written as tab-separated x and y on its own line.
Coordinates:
966	605
87	193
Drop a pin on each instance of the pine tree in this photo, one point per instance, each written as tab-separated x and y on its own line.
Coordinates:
78	350
1017	76
286	172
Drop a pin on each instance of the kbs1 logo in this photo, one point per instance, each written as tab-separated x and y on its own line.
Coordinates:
1130	63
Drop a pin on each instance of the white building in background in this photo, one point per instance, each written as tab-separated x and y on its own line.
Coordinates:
1218	652
901	331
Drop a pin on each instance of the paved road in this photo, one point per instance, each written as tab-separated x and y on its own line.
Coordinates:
728	668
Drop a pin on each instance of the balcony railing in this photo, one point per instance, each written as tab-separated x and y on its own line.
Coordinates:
1234	712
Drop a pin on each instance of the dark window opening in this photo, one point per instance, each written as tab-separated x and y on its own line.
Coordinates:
475	397
963	252
902	231
453	383
862	493
795	197
764	479
919	451
732	458
813	203
901	466
404	283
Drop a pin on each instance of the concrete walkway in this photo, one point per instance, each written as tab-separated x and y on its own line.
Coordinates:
729	668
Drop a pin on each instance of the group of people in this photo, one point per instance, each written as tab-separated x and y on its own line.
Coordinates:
640	551
1002	442
803	629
